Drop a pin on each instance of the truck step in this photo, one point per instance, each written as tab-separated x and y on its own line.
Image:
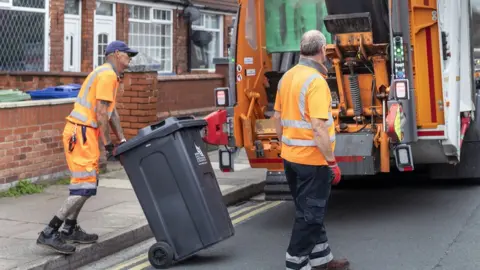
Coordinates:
276	187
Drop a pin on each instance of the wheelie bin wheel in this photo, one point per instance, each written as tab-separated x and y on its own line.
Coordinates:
160	255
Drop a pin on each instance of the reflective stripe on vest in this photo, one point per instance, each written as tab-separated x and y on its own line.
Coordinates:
303	124
82	100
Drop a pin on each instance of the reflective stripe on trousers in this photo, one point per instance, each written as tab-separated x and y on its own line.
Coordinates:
82	100
83	180
297	263
303	123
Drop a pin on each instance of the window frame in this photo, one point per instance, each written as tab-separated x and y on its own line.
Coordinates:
46	10
6	5
151	20
221	20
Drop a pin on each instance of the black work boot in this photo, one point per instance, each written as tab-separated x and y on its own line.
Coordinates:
78	235
55	242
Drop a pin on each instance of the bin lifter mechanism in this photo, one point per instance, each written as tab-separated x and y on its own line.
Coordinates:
218	131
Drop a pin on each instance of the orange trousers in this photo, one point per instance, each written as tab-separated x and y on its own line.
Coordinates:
83	159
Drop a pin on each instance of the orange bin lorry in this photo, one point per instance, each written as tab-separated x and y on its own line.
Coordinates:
401	74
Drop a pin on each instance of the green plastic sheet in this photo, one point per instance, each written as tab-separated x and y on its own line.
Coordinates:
287	20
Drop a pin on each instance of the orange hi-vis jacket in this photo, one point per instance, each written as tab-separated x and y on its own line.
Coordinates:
302	94
82	161
101	84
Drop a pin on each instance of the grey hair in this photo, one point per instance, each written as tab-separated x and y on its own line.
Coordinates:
311	43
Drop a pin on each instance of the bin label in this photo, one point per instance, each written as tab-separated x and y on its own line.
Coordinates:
201	159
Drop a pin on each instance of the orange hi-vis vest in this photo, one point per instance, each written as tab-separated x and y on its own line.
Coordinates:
101	84
302	94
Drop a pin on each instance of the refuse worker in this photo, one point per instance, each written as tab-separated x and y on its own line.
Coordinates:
92	113
304	122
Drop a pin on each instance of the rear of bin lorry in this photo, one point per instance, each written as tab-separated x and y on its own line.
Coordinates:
401	75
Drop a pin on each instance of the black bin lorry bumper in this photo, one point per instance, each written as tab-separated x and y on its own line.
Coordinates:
173	179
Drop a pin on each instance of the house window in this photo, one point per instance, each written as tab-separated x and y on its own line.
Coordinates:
151	33
72	7
23	36
104	9
102	46
206	41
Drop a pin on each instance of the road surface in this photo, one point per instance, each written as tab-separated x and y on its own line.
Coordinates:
377	225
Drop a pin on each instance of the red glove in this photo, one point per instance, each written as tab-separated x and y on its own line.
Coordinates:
336	173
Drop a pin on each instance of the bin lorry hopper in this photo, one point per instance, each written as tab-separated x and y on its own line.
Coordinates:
401	75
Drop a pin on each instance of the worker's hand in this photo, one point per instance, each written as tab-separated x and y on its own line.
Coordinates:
336	173
109	148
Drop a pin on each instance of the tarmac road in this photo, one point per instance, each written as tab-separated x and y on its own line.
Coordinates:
387	224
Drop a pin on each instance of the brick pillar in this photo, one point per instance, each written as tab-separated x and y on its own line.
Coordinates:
56	35
179	54
137	103
222	68
122	22
227	22
88	11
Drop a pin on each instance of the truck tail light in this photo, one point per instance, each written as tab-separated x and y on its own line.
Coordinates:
221	97
403	158
401	89
226	160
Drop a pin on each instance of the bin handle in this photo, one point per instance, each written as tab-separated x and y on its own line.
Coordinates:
170	120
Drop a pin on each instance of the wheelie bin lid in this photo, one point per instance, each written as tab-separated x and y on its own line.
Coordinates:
161	129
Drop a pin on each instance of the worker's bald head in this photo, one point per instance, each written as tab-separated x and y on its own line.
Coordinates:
312	43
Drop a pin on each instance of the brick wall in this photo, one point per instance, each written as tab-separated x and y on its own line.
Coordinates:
56	34
31	142
38	80
88	11
185	92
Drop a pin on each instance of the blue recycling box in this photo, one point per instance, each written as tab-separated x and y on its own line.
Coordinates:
61	91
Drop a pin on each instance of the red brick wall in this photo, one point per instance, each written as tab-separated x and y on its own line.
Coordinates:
185	92
38	80
31	141
88	11
56	34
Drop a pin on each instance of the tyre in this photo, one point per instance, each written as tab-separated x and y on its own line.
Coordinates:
160	255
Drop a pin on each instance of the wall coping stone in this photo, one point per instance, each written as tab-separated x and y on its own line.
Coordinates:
44	73
33	103
191	77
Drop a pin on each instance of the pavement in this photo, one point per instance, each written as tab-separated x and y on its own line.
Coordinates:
386	224
115	214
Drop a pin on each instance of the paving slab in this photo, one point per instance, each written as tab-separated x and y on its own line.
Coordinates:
115	214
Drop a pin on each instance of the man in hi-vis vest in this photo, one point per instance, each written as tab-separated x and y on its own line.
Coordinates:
304	123
89	121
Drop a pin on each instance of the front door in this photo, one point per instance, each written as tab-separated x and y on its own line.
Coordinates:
72	34
104	30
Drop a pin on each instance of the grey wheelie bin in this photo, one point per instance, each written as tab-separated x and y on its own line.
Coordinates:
174	181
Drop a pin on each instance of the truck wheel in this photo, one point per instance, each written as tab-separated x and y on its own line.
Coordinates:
160	255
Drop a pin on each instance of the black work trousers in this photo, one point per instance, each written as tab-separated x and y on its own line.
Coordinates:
310	187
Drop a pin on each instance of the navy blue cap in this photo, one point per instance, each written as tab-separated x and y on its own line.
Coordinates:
120	46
